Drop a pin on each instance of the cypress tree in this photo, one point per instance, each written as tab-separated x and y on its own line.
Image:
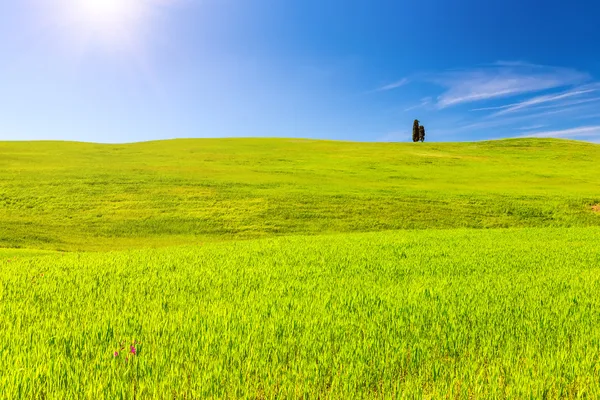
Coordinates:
416	131
421	133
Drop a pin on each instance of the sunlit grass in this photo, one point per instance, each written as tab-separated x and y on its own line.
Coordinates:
459	313
75	196
182	272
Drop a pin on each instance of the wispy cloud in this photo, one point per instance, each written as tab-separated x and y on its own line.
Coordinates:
503	80
532	127
583	132
539	100
490	108
516	64
394	85
569	103
509	96
508	121
511	108
424	102
588	116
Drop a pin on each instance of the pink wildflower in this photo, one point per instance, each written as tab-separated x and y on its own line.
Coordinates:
116	354
133	351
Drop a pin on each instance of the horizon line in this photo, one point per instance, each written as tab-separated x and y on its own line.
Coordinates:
520	138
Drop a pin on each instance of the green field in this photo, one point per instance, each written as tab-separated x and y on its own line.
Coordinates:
74	196
279	268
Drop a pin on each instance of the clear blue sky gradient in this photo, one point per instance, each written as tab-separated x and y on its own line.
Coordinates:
330	69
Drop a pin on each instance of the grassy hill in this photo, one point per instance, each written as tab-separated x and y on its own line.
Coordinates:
274	282
78	196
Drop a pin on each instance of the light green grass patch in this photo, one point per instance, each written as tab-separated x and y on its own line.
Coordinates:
77	196
413	314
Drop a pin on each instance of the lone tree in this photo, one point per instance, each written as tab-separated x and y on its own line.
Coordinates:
416	131
421	133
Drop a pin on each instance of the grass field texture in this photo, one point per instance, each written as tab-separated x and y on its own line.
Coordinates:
279	268
412	314
76	196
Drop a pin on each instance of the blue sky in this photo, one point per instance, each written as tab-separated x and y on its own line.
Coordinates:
347	70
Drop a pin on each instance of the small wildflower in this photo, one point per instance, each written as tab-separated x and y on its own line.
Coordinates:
132	350
116	354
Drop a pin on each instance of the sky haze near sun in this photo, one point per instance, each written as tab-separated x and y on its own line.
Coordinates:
137	70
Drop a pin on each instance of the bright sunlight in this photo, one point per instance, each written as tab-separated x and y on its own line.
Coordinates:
108	14
115	22
122	26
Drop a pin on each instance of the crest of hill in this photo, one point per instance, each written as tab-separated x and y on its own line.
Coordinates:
84	196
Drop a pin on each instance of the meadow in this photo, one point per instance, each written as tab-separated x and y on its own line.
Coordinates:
276	268
78	196
417	314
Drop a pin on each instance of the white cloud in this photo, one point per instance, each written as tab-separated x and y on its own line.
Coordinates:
563	104
510	108
490	108
543	97
424	102
537	101
516	64
394	85
502	80
515	119
587	116
583	131
532	127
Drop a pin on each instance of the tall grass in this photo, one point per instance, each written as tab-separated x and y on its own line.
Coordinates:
416	314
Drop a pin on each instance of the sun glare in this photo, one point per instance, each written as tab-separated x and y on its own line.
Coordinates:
115	22
108	13
122	27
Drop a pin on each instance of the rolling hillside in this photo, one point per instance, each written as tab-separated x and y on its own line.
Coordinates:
434	307
77	196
